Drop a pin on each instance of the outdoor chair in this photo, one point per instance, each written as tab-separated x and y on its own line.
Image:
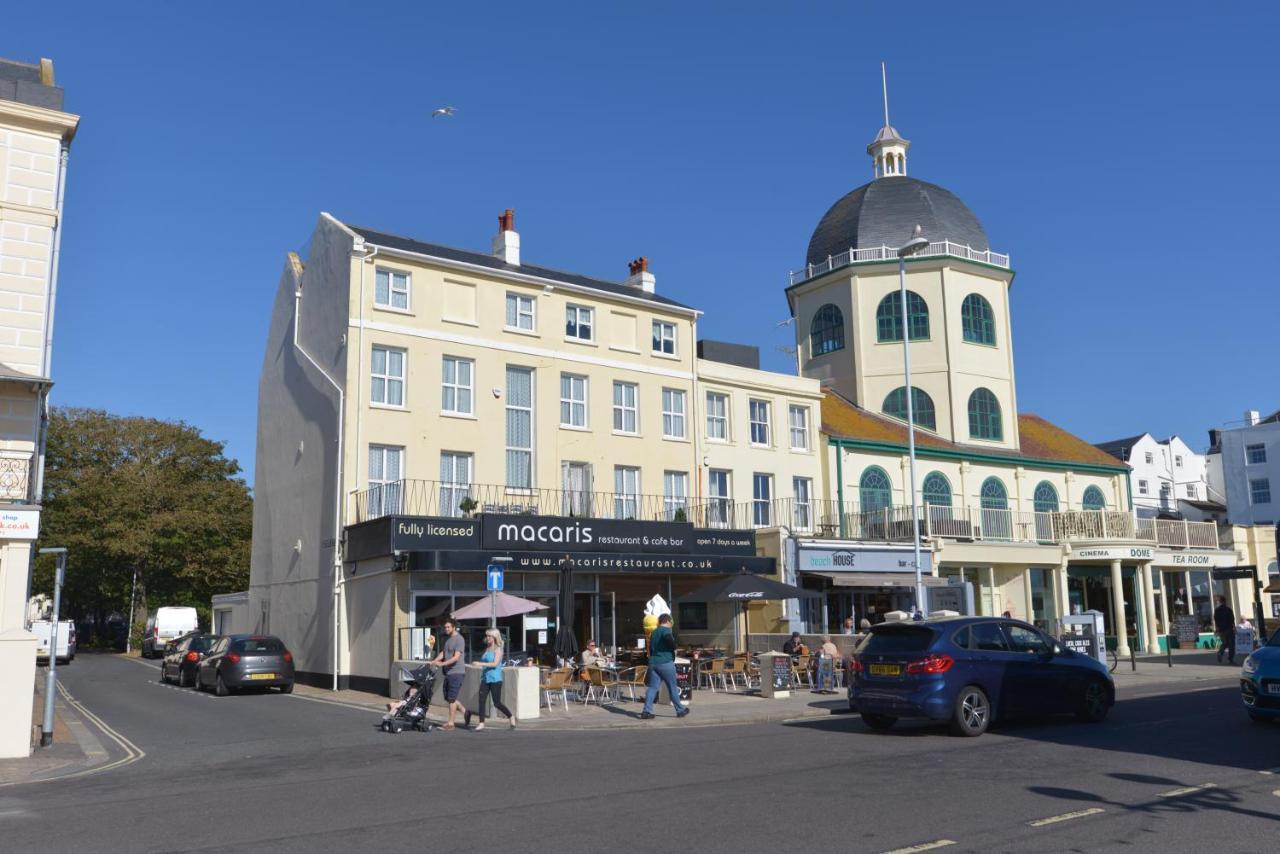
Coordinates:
633	678
800	671
557	682
713	672
733	669
599	686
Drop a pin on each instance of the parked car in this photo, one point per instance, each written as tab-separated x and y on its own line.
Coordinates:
164	625
245	661
969	671
183	656
1260	681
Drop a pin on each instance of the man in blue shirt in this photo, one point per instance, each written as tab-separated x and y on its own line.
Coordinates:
662	669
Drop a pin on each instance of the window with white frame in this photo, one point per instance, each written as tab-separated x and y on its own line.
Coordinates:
801	508
717	416
573	401
455	482
456	384
519	427
519	312
1149	457
1191	490
1259	490
758	415
386	380
721	498
1255	454
1143	487
626	418
673	413
1177	460
391	289
675	496
386	473
762	500
579	322
626	492
664	337
798	417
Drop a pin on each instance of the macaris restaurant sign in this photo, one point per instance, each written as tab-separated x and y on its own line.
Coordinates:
560	533
19	524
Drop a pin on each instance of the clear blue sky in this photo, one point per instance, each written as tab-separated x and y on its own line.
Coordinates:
1124	154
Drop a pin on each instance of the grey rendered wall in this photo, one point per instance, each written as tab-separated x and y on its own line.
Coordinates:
296	475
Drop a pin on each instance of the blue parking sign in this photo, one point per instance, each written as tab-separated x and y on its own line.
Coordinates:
494	574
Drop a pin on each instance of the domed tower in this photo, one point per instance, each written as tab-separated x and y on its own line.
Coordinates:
848	317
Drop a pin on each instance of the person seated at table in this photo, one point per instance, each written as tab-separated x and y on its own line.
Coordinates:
795	646
592	657
829	647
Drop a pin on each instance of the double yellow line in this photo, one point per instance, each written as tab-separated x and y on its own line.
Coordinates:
132	752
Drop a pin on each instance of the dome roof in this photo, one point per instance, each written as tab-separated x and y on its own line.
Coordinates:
886	211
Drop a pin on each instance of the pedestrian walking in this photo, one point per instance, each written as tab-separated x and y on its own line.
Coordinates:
491	681
454	669
1224	623
662	669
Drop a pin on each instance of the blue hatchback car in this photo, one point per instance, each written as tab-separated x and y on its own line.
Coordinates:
970	670
1260	681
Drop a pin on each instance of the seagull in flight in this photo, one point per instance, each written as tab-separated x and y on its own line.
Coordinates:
443	111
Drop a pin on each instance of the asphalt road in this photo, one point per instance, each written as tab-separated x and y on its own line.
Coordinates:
289	774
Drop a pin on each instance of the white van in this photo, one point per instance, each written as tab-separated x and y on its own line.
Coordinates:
164	625
41	629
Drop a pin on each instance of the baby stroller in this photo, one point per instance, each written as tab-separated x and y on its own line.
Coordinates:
412	710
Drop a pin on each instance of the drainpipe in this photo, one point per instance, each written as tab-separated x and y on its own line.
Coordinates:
371	251
839	483
337	497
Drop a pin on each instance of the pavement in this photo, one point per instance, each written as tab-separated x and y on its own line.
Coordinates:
1177	766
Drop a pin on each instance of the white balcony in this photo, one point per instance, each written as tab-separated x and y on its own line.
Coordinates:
939	248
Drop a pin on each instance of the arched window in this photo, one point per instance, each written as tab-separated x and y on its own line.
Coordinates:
826	331
1046	498
994	495
984	416
936	489
921	405
874	491
1093	499
889	317
978	320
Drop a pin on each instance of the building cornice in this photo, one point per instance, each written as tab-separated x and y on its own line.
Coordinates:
976	457
40	119
1007	273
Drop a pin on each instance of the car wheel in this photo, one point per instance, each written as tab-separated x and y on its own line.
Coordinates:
972	712
182	678
1093	703
164	677
286	689
220	688
878	722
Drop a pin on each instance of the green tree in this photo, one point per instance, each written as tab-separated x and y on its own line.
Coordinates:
129	493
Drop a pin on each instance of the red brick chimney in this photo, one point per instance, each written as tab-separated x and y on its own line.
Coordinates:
506	243
640	276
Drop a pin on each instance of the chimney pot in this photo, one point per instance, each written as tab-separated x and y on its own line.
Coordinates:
506	243
640	276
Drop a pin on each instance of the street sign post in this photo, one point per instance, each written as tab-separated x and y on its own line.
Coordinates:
494	577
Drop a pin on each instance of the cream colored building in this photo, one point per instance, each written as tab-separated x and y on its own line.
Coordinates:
408	384
35	135
1039	522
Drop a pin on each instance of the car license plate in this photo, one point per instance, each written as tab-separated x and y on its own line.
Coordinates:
262	676
1273	688
886	670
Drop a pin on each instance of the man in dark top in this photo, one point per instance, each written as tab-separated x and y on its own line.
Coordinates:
1224	623
453	667
795	646
662	668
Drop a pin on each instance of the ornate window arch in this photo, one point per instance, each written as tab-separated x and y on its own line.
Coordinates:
1093	499
978	320
994	495
936	490
826	331
985	421
923	411
1046	498
875	492
889	317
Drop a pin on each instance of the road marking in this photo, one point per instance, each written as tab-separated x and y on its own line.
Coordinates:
1066	816
1270	771
924	846
1189	790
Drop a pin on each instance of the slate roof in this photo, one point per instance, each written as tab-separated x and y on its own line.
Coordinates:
20	82
1119	448
1040	440
886	211
450	253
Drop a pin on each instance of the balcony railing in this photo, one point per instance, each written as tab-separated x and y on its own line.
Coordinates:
15	480
816	517
889	253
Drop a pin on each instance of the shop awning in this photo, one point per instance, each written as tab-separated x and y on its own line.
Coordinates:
879	579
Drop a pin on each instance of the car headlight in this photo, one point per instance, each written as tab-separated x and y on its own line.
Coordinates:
1250	665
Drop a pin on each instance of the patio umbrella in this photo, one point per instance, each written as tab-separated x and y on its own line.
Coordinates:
566	645
507	606
747	587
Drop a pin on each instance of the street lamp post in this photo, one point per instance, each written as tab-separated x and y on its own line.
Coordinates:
51	680
911	247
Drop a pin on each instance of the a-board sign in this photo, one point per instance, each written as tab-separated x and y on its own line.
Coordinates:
781	675
1186	627
1085	644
